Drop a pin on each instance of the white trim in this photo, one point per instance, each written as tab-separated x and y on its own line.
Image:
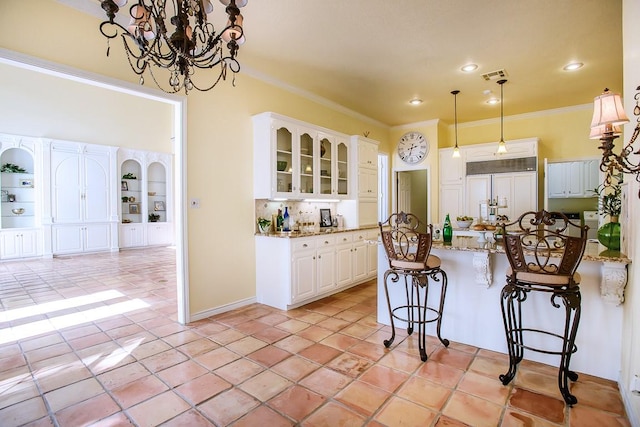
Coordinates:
534	114
222	309
627	397
179	103
310	96
432	122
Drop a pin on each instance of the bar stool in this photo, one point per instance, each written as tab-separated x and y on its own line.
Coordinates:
407	243
544	250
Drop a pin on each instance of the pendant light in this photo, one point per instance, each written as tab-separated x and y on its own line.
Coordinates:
456	150
502	147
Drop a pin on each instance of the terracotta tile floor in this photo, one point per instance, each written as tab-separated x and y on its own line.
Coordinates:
93	340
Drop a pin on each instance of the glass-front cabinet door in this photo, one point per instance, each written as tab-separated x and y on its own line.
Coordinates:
342	168
284	184
326	165
306	164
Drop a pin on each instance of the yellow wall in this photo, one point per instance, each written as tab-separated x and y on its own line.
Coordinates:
36	104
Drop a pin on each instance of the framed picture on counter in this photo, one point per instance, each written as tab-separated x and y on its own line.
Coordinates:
134	208
325	218
158	205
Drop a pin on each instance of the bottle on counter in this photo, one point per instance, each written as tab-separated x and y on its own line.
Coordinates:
279	220
286	225
447	230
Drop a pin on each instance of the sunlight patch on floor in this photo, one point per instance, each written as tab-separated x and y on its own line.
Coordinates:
68	320
50	307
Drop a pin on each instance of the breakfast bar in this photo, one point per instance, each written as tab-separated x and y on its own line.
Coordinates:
476	275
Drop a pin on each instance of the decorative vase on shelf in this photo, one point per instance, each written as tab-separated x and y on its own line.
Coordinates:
609	234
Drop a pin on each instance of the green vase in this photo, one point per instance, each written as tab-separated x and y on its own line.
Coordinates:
609	235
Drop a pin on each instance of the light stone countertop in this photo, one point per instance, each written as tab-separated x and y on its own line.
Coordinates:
315	232
593	252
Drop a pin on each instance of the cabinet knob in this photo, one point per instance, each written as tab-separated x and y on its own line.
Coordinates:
304	245
326	243
319	256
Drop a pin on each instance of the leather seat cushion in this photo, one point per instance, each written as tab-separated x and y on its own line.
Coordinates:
544	278
432	262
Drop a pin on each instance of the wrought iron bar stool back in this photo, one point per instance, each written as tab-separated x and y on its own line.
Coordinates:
407	243
544	250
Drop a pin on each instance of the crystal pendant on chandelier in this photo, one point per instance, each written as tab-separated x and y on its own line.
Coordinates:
175	35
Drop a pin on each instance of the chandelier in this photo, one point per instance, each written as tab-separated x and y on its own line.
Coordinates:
608	115
175	35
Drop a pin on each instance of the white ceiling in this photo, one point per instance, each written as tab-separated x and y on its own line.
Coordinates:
373	56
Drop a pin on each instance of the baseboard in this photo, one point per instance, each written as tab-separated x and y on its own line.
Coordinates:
627	398
221	309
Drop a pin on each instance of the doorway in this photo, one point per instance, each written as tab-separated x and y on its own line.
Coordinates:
412	193
179	119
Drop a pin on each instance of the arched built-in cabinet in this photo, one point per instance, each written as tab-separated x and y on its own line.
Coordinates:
145	195
20	200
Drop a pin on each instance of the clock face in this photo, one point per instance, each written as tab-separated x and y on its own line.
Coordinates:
413	147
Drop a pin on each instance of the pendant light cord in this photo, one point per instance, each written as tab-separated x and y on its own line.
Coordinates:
501	83
455	113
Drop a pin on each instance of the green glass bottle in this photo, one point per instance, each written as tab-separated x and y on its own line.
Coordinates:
447	230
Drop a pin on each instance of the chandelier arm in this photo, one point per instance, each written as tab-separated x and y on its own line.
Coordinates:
191	43
221	76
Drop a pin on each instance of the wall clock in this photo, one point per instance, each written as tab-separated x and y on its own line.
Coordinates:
413	147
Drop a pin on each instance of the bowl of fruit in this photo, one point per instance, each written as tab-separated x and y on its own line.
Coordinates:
464	222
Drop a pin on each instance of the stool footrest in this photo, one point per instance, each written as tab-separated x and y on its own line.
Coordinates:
415	307
539	331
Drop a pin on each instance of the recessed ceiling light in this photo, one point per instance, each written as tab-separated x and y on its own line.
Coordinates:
469	68
415	101
573	66
493	101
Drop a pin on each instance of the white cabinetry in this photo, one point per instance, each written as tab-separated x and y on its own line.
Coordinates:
296	160
519	188
372	237
515	149
294	271
572	179
21	202
69	239
82	197
334	166
352	258
313	262
451	168
366	185
451	185
131	235
19	243
521	191
591	176
145	198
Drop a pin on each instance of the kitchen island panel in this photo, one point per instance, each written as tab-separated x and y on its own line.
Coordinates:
472	313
